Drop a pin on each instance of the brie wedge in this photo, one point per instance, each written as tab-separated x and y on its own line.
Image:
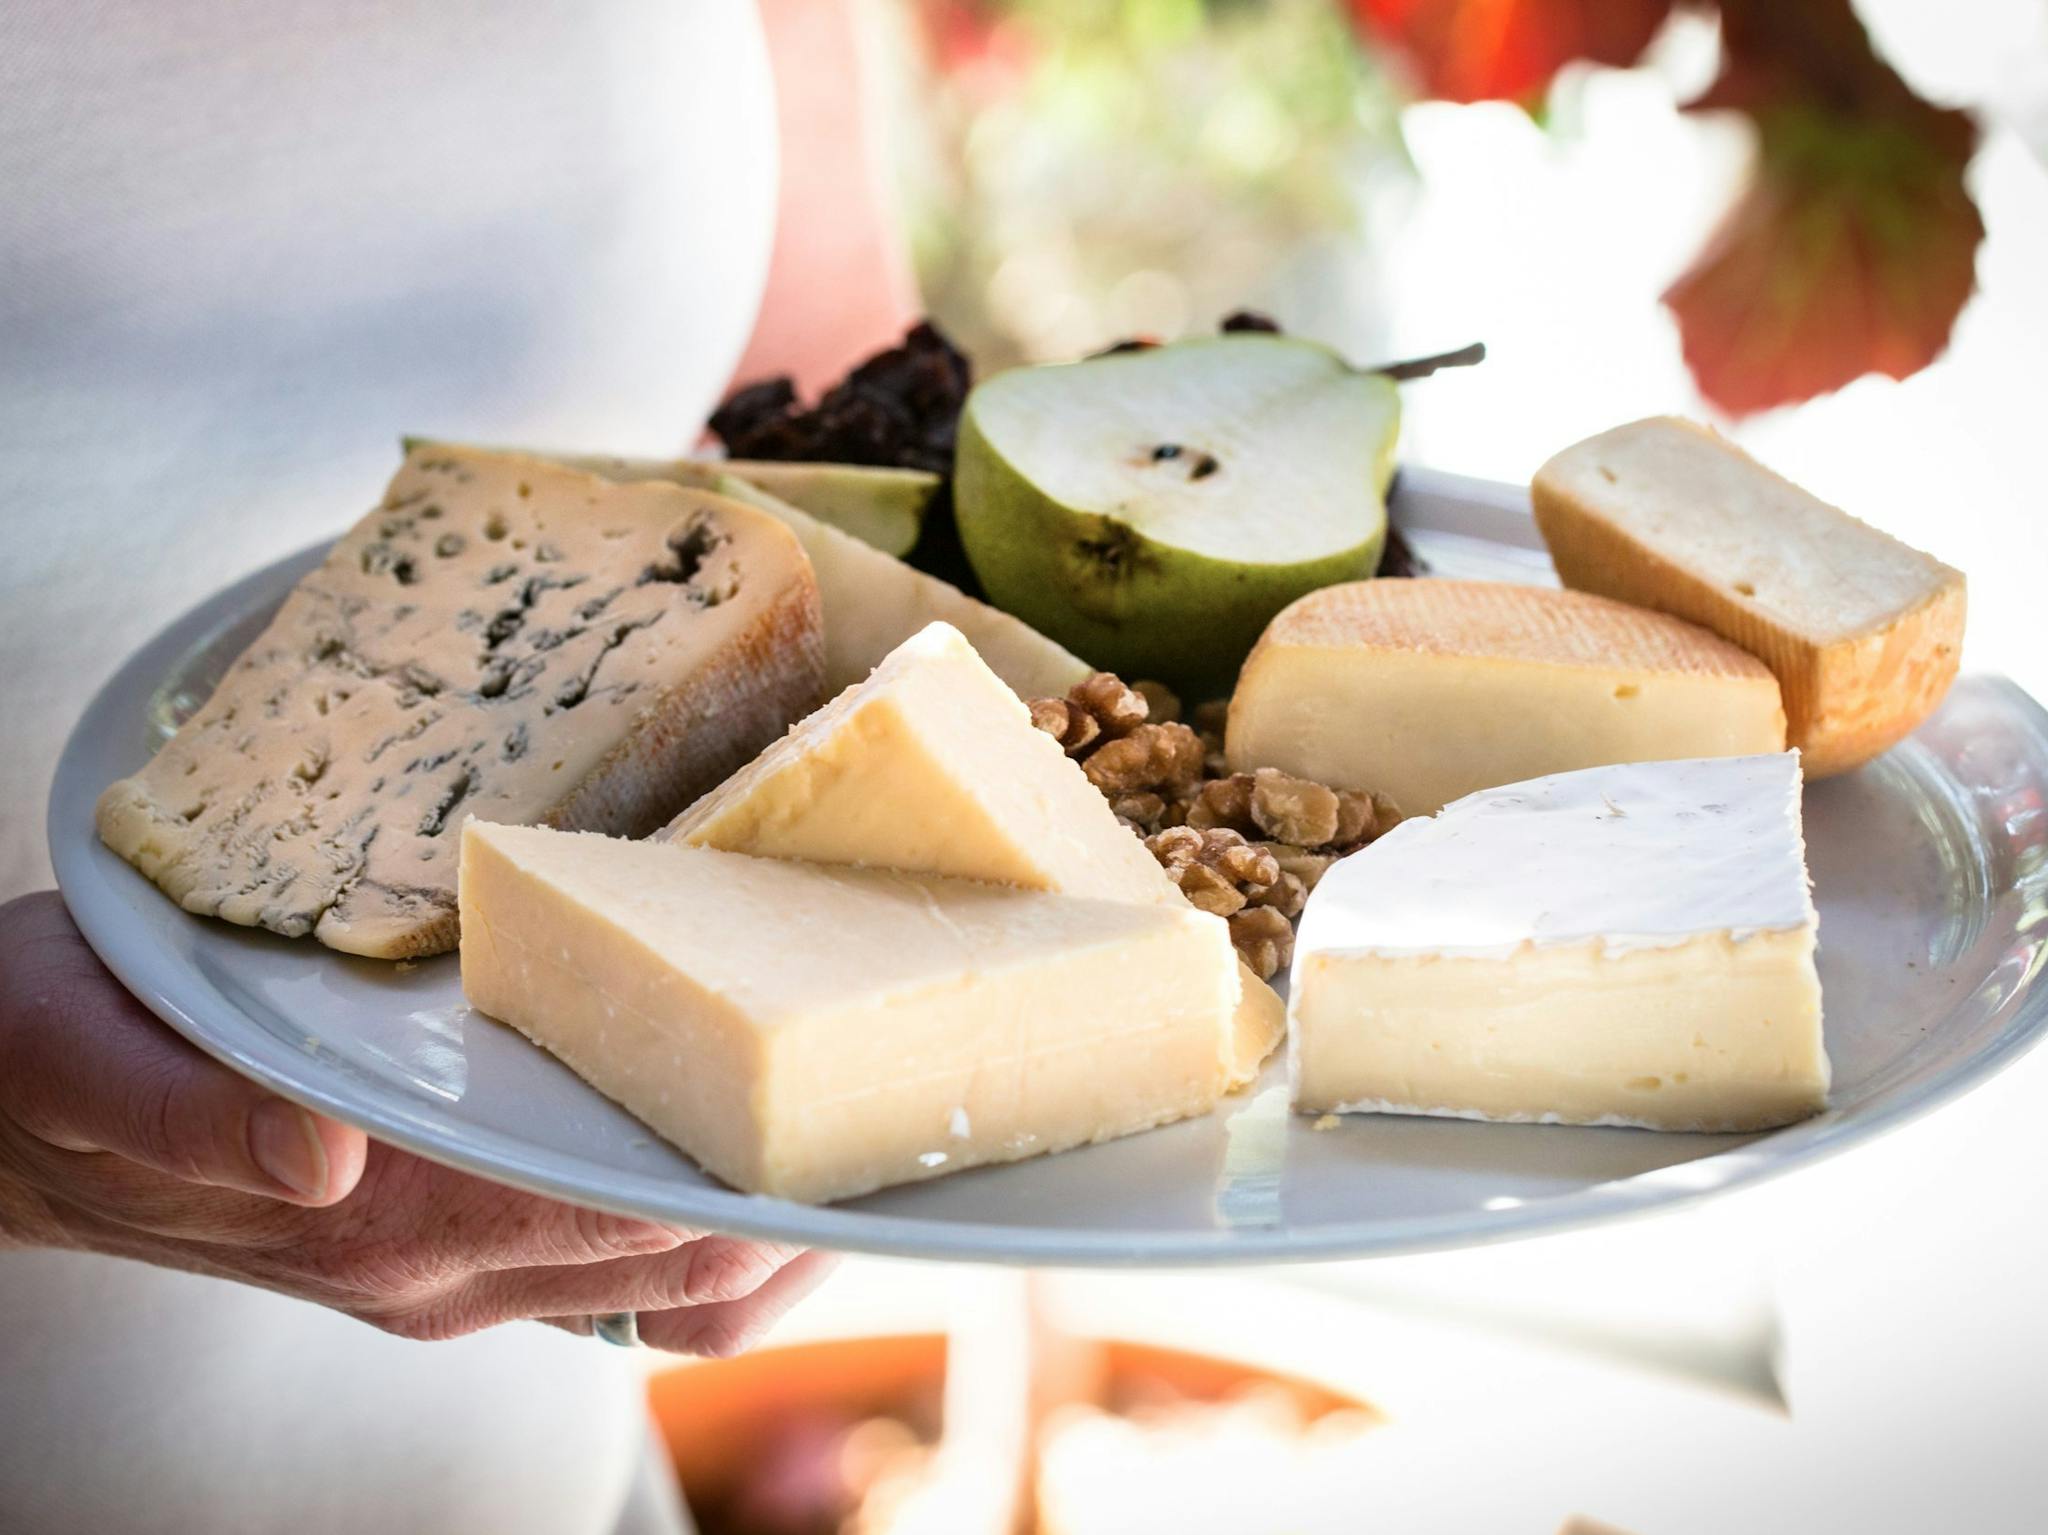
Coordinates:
1629	945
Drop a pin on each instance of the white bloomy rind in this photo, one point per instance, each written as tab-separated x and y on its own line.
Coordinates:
1628	945
1641	855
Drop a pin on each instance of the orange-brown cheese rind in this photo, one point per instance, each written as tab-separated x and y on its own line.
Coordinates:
1863	632
1426	691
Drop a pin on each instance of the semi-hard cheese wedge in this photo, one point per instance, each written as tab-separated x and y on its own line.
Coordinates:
932	766
1621	946
1430	690
873	603
882	507
1864	633
818	1032
502	637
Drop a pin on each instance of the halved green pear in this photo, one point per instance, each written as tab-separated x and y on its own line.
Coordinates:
1152	510
883	507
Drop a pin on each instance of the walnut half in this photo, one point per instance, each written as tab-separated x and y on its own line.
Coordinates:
1248	847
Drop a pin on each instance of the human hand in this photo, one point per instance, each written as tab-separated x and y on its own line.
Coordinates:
118	1137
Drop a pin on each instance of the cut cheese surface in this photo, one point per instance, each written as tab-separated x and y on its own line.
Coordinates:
929	766
872	600
1430	690
1864	632
819	1032
502	637
881	507
932	766
1624	945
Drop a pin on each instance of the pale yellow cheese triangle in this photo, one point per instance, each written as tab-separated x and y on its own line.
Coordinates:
932	766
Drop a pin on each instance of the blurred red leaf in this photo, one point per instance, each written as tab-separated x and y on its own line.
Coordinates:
1491	50
983	52
1854	248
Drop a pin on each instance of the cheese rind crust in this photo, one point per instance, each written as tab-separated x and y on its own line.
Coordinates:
499	637
932	766
1863	632
817	1033
1430	690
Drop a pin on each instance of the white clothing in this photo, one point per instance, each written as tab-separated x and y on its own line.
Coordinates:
244	245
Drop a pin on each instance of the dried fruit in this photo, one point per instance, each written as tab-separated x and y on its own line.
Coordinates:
1249	319
901	407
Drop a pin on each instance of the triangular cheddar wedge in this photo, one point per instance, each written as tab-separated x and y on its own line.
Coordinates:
932	766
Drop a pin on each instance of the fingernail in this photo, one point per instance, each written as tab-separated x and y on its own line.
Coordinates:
285	1144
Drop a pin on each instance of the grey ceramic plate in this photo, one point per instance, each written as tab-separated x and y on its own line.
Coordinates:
1930	869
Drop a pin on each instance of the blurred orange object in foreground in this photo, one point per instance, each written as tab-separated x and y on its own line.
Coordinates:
810	1437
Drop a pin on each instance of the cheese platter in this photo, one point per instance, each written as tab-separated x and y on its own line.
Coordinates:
1929	868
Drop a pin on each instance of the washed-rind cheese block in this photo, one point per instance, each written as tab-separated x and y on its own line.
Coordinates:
932	766
1627	945
500	637
817	1032
1864	633
873	603
1430	690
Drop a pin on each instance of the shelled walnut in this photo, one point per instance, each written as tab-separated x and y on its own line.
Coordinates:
1247	846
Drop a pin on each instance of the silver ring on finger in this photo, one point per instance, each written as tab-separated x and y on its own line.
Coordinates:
621	1328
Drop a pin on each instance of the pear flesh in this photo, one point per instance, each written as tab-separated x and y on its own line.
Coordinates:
1152	510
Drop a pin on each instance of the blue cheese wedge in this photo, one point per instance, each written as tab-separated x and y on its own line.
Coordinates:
1627	945
500	637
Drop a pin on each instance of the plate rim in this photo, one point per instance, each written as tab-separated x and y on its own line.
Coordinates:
82	863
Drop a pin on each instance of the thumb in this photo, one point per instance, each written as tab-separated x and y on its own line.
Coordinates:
89	1068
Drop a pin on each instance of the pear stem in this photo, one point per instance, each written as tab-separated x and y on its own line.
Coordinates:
1422	367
